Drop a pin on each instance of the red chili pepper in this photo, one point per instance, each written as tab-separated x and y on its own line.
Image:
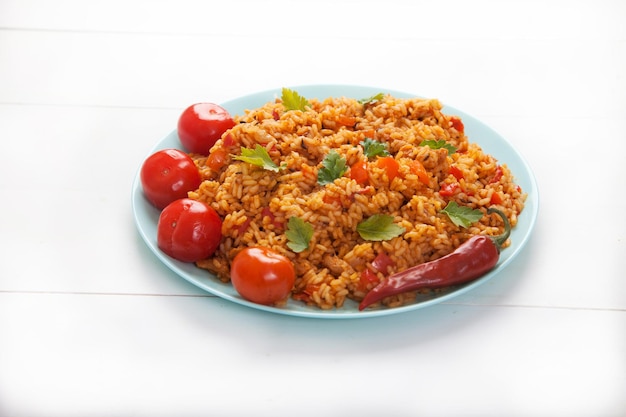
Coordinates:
471	260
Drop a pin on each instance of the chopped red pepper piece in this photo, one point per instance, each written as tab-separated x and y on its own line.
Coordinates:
418	169
382	262
241	229
367	279
449	189
390	165
346	120
266	212
358	172
331	199
305	295
217	159
369	133
457	124
456	172
497	176
495	198
228	140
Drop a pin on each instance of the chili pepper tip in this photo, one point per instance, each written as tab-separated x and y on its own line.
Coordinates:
500	239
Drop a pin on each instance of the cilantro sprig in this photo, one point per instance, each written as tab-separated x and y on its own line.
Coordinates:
372	148
299	234
461	215
379	227
372	99
333	167
259	157
439	144
294	101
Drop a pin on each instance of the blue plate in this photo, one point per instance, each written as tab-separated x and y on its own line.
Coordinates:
146	216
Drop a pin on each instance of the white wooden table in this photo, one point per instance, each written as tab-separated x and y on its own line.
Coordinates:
91	324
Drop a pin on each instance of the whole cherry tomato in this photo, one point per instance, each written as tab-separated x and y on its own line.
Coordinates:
189	230
201	125
168	175
262	275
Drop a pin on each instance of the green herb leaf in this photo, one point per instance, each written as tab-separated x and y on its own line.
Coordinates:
299	234
259	157
372	99
379	227
461	215
333	167
439	144
374	148
294	101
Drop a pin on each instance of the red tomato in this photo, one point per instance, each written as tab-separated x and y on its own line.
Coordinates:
262	275
201	125
358	172
168	175
189	230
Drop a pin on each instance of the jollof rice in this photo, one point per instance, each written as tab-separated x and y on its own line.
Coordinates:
255	204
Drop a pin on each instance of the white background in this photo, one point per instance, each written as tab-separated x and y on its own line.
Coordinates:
91	324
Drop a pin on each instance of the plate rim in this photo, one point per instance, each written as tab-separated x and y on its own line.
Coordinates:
177	267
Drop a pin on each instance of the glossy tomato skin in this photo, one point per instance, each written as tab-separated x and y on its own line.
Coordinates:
168	175
262	275
189	230
201	125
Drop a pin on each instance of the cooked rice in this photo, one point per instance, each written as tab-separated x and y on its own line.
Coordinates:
255	204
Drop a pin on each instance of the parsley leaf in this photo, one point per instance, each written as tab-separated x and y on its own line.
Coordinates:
334	166
379	227
374	148
439	144
294	101
299	234
461	215
372	99
259	157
